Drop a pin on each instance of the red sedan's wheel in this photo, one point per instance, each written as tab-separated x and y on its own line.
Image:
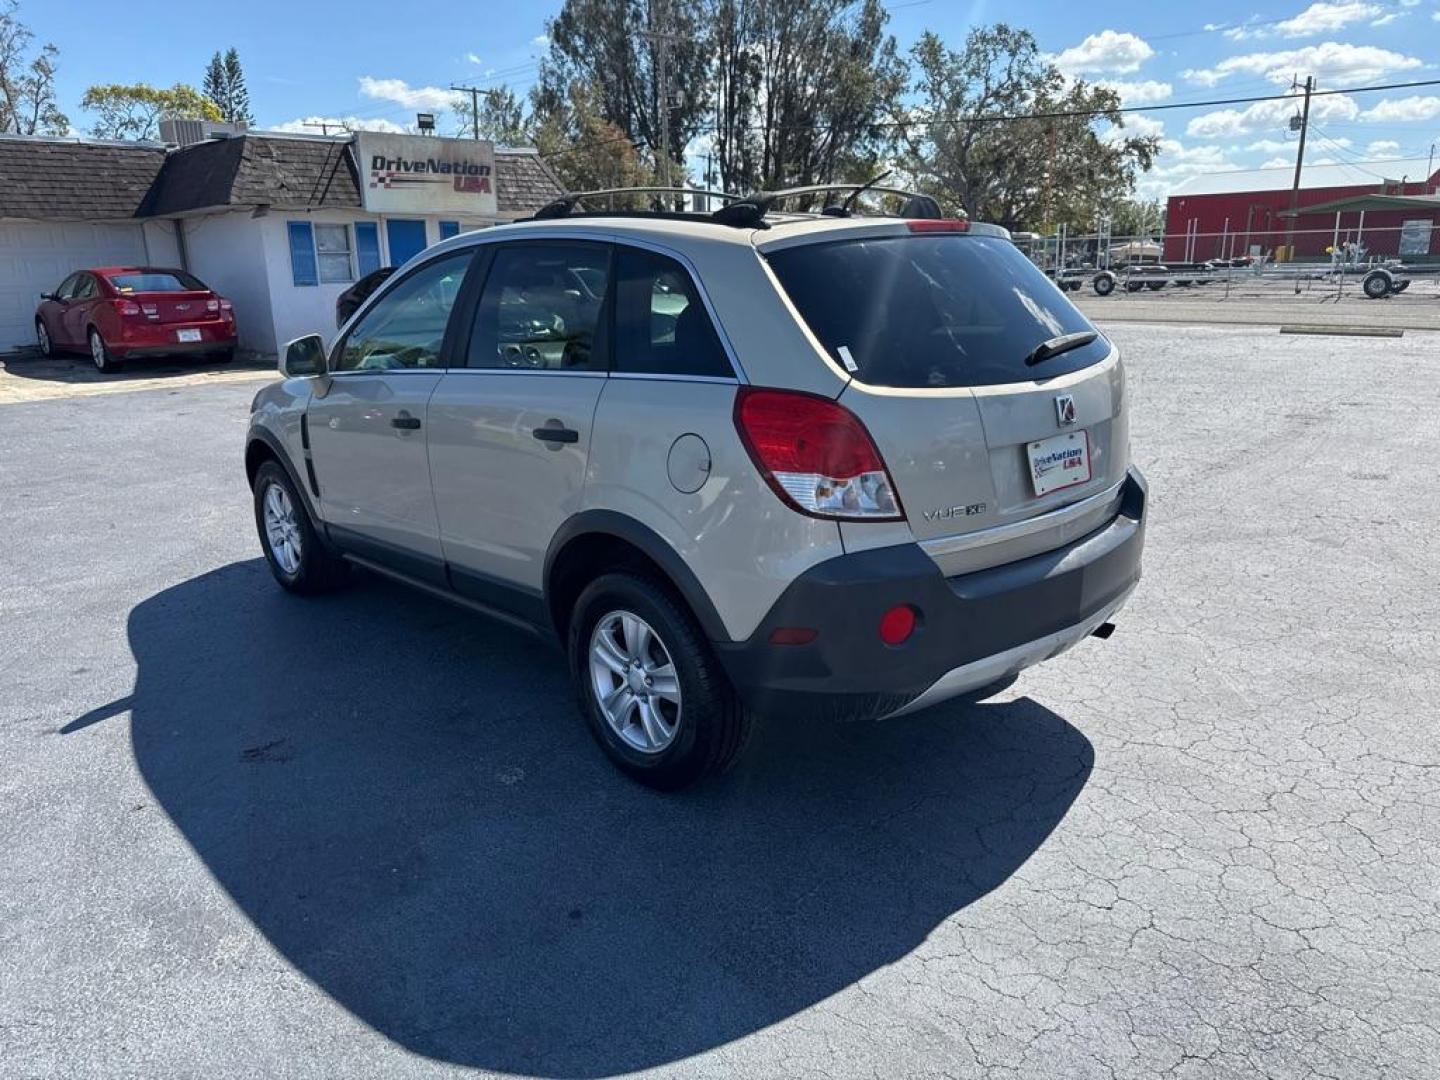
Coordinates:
100	352
42	337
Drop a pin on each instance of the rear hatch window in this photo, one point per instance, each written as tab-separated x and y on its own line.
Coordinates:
942	310
156	281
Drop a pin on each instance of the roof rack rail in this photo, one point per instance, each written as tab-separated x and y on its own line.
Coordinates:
566	204
750	211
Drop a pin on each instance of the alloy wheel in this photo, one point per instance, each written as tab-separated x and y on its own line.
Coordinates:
282	529
634	681
43	336
97	350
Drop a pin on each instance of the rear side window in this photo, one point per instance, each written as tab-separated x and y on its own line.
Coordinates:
541	308
661	326
937	310
157	281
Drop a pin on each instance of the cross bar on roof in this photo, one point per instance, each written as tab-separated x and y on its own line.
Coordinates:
563	206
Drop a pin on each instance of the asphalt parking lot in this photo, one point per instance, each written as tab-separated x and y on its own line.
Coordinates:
243	833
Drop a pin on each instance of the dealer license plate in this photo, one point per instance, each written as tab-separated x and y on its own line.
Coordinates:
187	335
1060	461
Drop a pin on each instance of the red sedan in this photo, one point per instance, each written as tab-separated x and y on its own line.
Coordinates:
117	312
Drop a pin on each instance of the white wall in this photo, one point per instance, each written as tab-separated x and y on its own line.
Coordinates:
162	248
226	252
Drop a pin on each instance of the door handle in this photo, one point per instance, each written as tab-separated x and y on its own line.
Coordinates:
556	434
405	422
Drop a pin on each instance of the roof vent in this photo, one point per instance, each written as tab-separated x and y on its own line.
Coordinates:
178	132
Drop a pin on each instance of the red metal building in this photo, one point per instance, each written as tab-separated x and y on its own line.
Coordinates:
1225	214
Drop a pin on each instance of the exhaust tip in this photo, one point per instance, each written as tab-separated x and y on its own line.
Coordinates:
1103	631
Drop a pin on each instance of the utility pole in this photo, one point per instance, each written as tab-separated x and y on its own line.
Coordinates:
1299	164
474	92
661	37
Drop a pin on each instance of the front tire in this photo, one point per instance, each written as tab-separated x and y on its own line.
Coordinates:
651	690
298	559
100	353
42	338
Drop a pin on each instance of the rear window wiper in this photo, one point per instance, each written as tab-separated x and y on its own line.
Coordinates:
1057	345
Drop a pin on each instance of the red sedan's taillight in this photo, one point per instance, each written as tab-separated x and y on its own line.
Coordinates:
816	454
128	309
227	309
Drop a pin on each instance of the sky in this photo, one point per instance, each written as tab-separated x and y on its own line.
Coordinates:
374	64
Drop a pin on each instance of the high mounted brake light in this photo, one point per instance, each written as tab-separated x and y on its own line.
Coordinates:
939	225
816	455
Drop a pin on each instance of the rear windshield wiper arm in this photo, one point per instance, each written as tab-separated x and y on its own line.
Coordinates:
1056	345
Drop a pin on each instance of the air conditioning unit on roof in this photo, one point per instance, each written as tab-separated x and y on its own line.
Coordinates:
178	132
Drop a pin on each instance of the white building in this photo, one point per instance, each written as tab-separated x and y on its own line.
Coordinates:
279	224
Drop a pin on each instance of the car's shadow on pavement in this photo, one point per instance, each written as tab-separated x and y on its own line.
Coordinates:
402	799
78	368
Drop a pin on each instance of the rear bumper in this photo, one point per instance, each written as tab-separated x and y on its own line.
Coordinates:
973	629
174	348
159	339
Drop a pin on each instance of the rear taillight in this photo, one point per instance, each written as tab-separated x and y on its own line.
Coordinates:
227	307
212	305
151	310
816	455
128	308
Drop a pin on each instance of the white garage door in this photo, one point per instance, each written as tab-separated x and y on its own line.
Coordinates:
35	256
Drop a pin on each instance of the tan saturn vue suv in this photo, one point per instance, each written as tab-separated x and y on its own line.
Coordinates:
737	464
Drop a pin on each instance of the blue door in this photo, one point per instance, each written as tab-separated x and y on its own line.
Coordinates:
406	239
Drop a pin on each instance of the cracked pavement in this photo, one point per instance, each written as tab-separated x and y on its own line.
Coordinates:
245	834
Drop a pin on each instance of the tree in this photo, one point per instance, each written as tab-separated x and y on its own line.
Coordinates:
1134	217
979	139
27	82
224	86
134	111
801	88
613	49
587	151
501	120
238	110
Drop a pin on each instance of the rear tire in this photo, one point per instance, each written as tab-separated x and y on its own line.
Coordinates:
298	558
1376	285
100	353
688	722
42	338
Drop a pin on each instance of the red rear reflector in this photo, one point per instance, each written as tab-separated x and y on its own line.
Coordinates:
897	624
793	635
815	454
939	225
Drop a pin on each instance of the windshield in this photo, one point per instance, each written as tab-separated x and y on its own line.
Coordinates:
940	310
156	281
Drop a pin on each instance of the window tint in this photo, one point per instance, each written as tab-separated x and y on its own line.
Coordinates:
541	308
406	327
156	281
946	310
661	325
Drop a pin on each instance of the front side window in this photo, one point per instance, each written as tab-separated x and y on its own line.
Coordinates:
932	310
332	249
406	327
661	326
85	288
541	308
66	289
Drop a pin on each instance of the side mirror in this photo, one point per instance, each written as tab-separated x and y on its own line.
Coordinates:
48	296
303	357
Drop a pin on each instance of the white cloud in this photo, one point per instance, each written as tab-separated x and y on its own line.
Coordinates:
473	58
425	98
1269	146
1331	60
1382	148
1269	116
1404	110
1144	126
1108	50
1176	162
1278	163
541	41
1144	92
1386	20
1323	18
311	125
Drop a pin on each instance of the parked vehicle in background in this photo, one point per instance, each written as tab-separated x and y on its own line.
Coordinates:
736	464
118	312
349	301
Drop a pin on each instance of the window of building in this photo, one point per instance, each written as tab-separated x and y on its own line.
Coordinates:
449	229
302	253
367	247
332	245
406	327
661	326
541	308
